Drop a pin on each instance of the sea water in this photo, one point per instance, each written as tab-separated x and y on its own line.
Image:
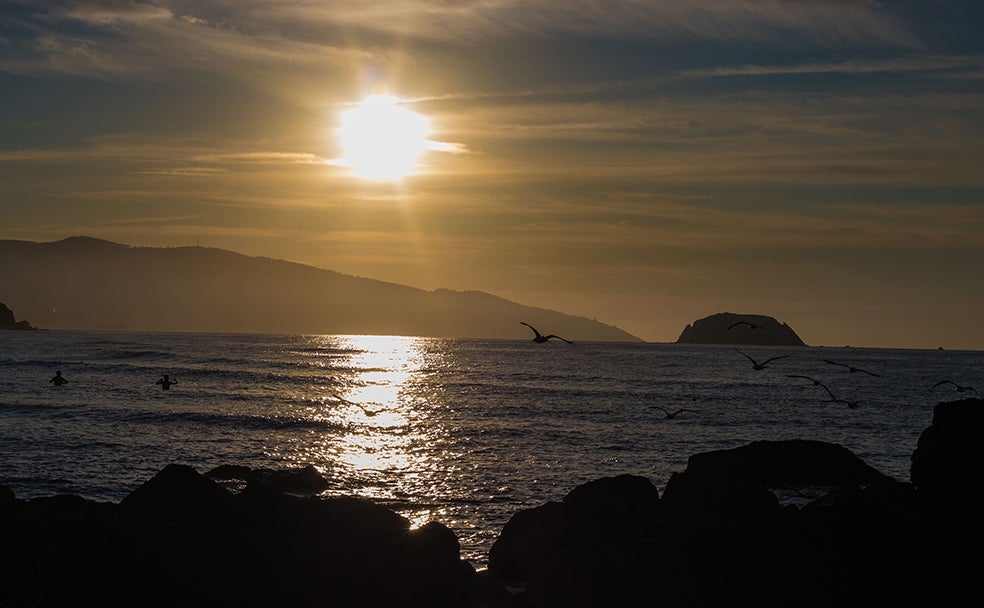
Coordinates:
465	432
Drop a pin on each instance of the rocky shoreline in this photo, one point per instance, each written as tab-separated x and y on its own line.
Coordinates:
718	535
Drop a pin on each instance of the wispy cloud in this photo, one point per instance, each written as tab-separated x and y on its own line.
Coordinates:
276	158
183	171
911	63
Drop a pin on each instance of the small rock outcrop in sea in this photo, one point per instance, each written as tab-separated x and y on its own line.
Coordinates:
7	320
751	329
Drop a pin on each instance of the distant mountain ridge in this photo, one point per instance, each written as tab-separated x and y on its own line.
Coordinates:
88	283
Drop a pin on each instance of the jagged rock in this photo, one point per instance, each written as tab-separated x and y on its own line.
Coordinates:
753	329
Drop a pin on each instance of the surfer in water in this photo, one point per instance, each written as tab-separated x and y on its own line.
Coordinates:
166	383
58	380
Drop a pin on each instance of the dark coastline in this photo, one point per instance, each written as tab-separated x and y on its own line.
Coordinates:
718	535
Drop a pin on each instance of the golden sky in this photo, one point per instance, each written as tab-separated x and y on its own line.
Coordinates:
642	162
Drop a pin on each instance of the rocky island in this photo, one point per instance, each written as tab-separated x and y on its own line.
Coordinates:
731	328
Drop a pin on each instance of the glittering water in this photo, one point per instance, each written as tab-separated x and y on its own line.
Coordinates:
466	432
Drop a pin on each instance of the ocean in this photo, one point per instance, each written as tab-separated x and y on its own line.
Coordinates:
465	432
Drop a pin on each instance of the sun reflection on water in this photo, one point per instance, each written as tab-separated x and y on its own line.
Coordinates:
381	416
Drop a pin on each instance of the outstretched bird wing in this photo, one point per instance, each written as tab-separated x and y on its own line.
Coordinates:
851	368
531	327
813	380
747	357
774	358
558	337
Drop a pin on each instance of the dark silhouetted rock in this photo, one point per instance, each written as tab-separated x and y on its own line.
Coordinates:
789	462
180	539
18	584
7	320
600	517
948	463
302	480
178	494
755	329
737	480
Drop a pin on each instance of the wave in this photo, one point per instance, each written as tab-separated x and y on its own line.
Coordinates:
237	421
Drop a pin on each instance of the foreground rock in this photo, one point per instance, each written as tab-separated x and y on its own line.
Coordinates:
183	540
948	462
721	328
719	536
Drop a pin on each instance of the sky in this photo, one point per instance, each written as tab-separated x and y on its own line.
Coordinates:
642	162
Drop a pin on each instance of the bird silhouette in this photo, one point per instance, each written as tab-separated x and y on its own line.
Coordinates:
956	387
671	415
751	326
538	338
850	404
852	369
759	366
368	412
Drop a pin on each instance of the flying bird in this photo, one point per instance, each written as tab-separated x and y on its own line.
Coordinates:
852	369
368	412
538	338
850	404
671	415
762	365
751	326
957	387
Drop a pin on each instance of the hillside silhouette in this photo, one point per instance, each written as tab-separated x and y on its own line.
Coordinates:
87	283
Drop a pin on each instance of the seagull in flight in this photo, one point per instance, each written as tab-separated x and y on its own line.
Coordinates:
957	387
670	415
538	338
751	326
759	366
850	404
852	369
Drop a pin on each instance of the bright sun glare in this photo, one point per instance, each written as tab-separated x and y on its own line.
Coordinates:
382	140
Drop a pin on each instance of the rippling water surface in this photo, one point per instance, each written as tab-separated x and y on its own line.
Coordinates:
465	432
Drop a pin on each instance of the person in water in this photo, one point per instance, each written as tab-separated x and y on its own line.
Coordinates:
166	383
58	380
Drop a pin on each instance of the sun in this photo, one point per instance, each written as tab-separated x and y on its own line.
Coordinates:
382	140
